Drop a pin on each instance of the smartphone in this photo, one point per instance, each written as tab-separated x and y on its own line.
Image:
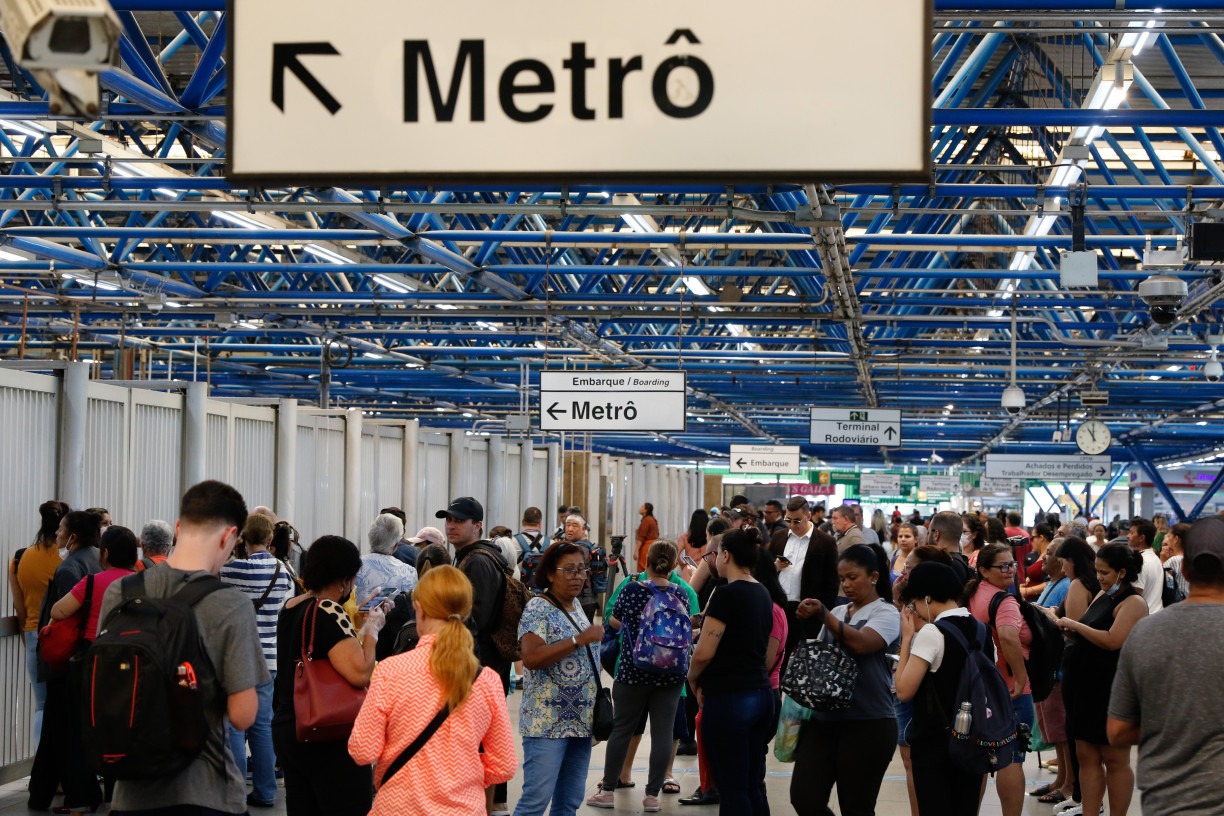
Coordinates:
784	559
686	559
380	596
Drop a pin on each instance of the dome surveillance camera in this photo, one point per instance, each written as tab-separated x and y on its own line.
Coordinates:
1013	399
1164	294
1213	371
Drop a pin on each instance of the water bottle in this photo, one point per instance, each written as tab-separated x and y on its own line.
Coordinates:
964	718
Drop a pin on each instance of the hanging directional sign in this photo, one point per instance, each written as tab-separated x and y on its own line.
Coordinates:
1008	486
877	427
782	460
569	91
880	484
1048	468
612	401
932	483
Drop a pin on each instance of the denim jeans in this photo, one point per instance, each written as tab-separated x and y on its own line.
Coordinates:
556	770
40	689
259	735
735	730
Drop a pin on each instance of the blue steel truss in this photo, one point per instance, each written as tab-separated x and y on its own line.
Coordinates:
446	303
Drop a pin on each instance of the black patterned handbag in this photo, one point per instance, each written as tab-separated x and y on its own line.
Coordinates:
821	674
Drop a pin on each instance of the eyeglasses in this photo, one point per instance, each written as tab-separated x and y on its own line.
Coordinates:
1007	566
574	571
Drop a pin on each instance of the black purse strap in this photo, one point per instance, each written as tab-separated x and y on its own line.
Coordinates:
271	585
573	623
417	744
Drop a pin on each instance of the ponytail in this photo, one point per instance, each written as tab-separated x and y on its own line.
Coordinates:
445	594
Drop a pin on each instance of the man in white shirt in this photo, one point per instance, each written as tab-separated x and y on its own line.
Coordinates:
794	552
806	560
1151	580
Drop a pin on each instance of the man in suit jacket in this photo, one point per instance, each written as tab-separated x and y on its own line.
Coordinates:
807	566
848	532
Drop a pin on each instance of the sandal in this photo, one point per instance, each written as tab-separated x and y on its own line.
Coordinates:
1053	797
1041	791
670	785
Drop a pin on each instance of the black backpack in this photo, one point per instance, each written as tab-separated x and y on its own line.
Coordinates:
988	744
147	681
1046	649
533	553
1171	593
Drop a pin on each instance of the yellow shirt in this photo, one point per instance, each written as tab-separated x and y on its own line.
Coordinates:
33	574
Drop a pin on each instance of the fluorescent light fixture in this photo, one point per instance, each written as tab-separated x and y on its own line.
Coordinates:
1173	368
374	355
638	223
390	283
467	414
28	130
446	307
11	256
696	285
484	324
240	219
329	255
88	281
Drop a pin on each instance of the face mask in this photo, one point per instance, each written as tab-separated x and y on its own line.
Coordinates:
347	597
966	539
1113	590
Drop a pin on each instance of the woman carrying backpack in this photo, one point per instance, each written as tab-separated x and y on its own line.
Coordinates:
996	573
653	618
852	748
928	674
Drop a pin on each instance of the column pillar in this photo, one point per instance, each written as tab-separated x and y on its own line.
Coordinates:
195	435
495	507
352	479
410	480
286	458
74	407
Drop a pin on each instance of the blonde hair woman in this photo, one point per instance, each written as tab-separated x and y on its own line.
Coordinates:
448	773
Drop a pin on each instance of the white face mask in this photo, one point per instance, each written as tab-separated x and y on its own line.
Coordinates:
966	539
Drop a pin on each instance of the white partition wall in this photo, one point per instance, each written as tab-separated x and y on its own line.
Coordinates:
253	470
435	477
320	475
382	470
29	405
106	448
153	470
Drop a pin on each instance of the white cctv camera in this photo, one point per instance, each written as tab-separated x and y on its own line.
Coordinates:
55	34
1013	399
1213	371
1164	294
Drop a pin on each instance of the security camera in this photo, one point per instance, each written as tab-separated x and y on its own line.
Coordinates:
1164	295
1013	399
1213	371
56	34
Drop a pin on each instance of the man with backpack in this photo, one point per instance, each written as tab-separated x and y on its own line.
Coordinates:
220	656
531	545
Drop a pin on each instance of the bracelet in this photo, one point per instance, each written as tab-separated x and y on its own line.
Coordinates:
574	640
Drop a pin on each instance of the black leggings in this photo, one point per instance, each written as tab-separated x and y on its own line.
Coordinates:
942	788
321	778
853	754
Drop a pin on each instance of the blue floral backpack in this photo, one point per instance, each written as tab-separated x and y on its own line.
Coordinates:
664	641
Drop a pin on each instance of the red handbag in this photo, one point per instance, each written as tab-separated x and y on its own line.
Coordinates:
59	640
324	703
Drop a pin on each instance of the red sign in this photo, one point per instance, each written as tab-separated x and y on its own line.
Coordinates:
804	489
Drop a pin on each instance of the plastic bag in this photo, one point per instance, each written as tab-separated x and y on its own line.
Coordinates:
787	739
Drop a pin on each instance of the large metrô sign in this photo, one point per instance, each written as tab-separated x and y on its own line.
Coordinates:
635	89
611	400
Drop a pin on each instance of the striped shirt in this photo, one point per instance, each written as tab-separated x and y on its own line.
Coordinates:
252	576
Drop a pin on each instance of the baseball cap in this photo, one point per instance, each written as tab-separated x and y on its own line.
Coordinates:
743	511
464	508
428	534
1205	539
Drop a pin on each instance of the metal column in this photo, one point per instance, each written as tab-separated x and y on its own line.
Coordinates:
195	436
74	407
458	481
552	484
352	479
526	462
411	480
286	458
495	508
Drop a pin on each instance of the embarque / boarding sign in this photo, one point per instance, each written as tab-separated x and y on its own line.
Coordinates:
878	427
573	91
612	400
780	460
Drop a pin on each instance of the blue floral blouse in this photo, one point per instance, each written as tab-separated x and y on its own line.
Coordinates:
558	701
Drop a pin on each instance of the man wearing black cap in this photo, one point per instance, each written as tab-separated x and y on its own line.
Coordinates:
464	531
1166	697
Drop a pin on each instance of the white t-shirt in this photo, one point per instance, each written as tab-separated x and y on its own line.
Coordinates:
928	642
796	552
1151	581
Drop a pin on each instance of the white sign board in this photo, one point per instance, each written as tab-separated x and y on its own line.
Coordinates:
877	427
1009	486
880	484
571	91
939	484
1048	468
612	401
783	460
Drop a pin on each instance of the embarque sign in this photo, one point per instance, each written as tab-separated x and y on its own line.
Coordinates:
557	90
613	401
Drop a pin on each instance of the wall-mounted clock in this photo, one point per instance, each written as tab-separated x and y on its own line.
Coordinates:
1093	437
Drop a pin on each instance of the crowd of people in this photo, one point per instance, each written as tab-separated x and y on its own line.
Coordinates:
379	682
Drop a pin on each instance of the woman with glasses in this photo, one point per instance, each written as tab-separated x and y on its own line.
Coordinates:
559	686
996	573
639	690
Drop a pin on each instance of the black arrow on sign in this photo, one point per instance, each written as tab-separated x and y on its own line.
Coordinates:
739	462
552	411
890	433
1101	471
285	56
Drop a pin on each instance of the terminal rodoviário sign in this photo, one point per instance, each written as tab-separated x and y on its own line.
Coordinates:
632	89
878	427
612	401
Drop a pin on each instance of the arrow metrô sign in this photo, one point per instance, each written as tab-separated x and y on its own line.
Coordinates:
876	427
778	460
388	89
1048	468
612	400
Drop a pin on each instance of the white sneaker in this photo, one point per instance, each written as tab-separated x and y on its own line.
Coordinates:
1068	805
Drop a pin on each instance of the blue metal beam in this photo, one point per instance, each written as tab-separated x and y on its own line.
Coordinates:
1067	487
1149	467
1214	488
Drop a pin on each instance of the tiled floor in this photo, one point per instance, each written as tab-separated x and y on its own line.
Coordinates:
892	801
